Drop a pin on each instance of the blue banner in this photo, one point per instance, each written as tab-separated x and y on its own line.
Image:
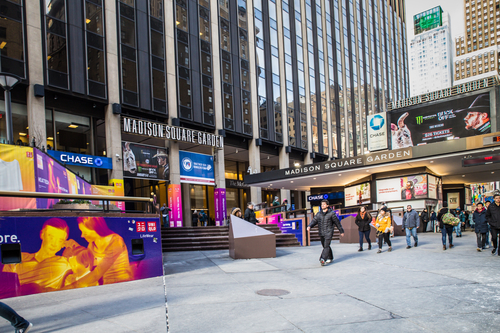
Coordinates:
197	168
82	160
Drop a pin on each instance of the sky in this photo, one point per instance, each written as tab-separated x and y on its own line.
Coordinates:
454	7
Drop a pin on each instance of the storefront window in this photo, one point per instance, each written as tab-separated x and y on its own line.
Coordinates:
72	133
198	194
19	124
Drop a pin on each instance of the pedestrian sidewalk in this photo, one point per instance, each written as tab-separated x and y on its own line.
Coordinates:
422	289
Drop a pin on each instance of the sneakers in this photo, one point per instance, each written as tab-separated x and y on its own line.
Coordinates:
479	249
25	330
416	244
322	262
493	251
329	261
408	247
360	249
390	249
379	251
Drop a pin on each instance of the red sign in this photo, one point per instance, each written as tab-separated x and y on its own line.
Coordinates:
141	226
151	226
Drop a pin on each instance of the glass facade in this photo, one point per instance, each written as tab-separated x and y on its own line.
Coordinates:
12	51
56	45
157	54
96	59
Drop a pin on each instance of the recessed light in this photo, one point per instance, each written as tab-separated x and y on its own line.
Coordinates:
22	134
270	185
314	178
295	189
492	172
340	174
291	181
73	126
463	175
431	161
367	170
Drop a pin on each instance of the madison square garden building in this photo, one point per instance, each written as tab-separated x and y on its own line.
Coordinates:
216	90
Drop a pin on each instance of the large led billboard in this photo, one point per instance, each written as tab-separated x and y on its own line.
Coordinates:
455	119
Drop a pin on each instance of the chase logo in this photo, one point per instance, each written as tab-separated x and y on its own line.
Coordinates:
420	120
98	162
377	122
325	196
187	164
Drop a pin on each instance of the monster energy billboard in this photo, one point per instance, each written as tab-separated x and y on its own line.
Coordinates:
454	119
428	20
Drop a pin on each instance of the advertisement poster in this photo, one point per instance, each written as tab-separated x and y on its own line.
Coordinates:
404	188
175	204
51	177
197	168
119	191
377	131
71	256
357	195
432	187
460	118
17	174
293	227
146	162
453	200
220	206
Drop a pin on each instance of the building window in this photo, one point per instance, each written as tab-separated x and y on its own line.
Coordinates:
96	59
56	47
12	38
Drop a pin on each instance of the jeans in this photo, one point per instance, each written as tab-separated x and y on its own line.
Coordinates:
412	232
386	237
327	250
481	240
458	230
366	234
447	230
494	237
16	320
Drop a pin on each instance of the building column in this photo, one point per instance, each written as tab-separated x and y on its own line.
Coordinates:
112	121
35	105
253	149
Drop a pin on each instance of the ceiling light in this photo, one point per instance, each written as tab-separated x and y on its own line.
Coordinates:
236	151
291	181
296	164
3	45
367	170
295	189
431	161
340	174
50	138
88	21
22	134
270	184
492	172
314	178
73	126
463	175
267	156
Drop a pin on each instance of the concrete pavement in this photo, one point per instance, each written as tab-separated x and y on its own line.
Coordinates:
422	289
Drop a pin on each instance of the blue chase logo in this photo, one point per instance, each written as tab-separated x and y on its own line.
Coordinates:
377	122
187	164
98	162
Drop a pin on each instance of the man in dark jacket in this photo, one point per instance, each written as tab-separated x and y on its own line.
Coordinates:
325	219
410	223
480	226
424	219
493	219
250	214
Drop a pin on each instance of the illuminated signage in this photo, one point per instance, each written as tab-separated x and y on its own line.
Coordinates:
82	160
480	160
153	129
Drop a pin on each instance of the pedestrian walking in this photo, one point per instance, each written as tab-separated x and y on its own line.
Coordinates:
424	219
457	228
487	204
480	226
433	221
195	219
203	218
446	229
410	224
383	224
493	219
326	219
20	324
363	221
250	214
164	214
471	221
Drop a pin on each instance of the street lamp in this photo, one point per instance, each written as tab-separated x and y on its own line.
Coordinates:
8	81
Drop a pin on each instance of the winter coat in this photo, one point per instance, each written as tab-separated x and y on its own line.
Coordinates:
384	222
433	216
276	210
493	215
195	219
480	225
250	216
411	220
363	224
424	217
325	222
440	215
462	217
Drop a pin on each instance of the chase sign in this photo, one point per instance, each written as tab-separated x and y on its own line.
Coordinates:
81	159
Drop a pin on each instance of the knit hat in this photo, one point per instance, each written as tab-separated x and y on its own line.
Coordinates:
235	210
384	209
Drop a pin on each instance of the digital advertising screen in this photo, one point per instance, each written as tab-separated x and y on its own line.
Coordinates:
357	195
402	188
146	162
455	119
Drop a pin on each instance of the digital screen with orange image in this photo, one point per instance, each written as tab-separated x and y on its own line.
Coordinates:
61	253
